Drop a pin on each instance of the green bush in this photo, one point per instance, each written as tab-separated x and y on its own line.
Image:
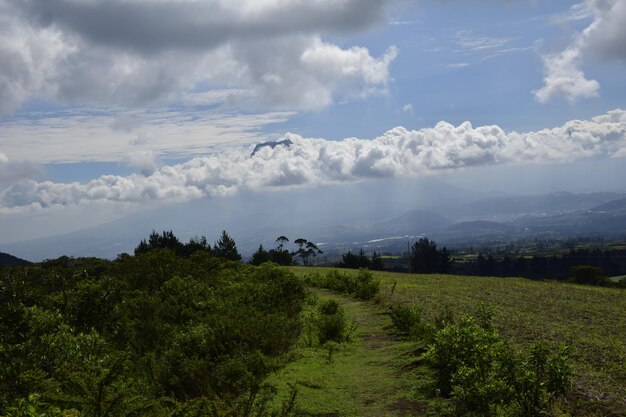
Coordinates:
366	287
408	320
331	322
362	285
484	377
538	379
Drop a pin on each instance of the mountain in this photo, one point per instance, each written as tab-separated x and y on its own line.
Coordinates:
413	222
508	207
6	259
608	219
613	206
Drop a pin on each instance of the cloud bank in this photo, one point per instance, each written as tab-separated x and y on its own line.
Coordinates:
603	39
11	171
117	52
311	162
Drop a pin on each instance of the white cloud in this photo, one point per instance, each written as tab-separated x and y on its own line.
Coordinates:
458	65
408	108
602	39
97	135
468	41
116	52
311	162
146	161
564	78
12	171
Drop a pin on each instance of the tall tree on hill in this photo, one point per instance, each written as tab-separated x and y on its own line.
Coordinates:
225	247
306	250
260	256
281	240
377	262
427	259
165	240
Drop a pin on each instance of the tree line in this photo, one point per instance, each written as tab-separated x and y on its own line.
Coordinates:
305	250
568	266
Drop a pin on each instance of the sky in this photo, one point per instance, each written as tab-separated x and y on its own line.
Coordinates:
109	107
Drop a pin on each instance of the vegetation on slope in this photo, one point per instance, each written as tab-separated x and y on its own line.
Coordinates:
153	335
523	313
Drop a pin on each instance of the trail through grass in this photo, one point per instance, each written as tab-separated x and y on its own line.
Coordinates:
363	377
590	320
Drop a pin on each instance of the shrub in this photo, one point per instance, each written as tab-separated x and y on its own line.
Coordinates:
539	379
477	369
366	287
407	319
462	352
585	274
331	322
362	286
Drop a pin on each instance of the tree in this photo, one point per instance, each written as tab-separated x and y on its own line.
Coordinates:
350	260
196	244
585	274
281	257
260	256
306	250
426	259
165	240
377	262
225	247
281	240
312	251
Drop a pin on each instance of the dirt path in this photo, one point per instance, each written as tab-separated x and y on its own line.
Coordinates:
361	378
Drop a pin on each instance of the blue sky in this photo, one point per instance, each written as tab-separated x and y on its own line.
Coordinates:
122	104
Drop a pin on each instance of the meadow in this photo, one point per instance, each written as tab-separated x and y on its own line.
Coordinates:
590	320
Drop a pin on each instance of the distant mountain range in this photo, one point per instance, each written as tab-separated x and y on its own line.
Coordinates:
372	215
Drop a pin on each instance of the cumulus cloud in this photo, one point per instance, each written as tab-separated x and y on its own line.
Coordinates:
121	52
602	39
11	171
311	162
145	161
565	79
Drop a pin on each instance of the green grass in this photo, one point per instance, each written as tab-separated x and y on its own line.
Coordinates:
591	320
361	377
617	279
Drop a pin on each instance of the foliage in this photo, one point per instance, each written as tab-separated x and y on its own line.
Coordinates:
226	248
278	256
539	378
350	260
427	259
331	322
362	285
142	335
408	320
484	376
167	240
558	265
585	274
307	251
260	256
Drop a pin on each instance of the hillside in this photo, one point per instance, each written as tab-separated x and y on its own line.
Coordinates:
525	311
6	259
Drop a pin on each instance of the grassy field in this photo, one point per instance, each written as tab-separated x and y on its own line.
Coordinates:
618	278
357	378
591	320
